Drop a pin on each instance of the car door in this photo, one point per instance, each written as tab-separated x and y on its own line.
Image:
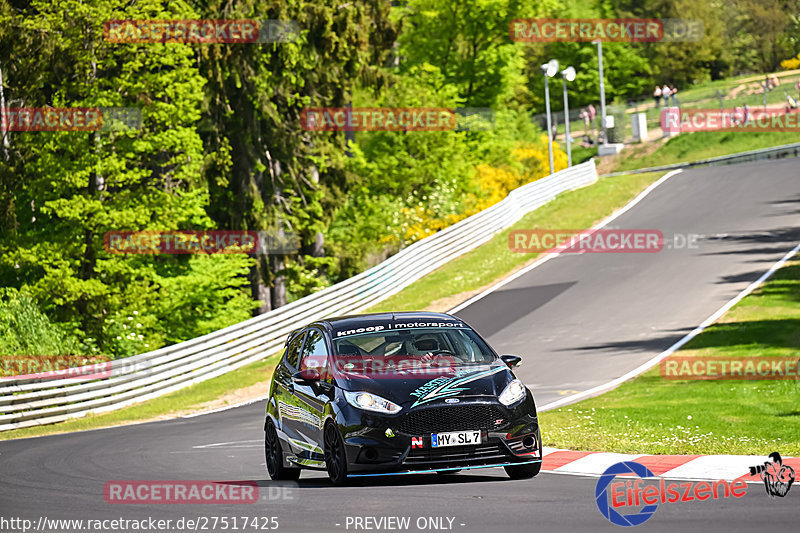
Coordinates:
287	404
312	398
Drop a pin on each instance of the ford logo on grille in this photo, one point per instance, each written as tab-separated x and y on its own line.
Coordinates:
452	400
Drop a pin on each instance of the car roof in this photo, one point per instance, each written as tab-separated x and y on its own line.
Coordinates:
388	321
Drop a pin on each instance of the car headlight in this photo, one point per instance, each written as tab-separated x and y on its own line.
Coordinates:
514	392
371	402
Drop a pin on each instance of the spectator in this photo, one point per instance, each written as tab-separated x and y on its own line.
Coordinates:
791	103
738	115
657	95
584	116
775	81
673	91
665	92
746	114
592	114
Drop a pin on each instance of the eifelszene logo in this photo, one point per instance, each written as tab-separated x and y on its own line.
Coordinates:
631	492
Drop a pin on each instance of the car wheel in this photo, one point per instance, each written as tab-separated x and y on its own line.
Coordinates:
274	456
525	471
335	455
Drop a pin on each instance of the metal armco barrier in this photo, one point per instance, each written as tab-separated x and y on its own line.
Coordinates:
33	402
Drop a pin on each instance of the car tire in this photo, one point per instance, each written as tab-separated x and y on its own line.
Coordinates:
525	471
335	455
274	456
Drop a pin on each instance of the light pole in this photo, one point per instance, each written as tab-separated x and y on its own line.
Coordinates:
602	90
549	70
569	75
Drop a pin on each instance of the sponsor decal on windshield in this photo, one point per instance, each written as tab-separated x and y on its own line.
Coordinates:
398	325
444	387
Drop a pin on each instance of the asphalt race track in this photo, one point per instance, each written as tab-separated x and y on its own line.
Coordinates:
577	320
581	320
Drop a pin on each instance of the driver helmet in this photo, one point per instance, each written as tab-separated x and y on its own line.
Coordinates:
423	344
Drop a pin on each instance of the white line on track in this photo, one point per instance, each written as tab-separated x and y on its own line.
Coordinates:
233	406
550	256
675	347
232	444
669	351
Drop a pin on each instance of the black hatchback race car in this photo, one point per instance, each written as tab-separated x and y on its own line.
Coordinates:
397	393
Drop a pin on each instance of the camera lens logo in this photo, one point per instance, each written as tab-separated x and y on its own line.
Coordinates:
777	477
602	496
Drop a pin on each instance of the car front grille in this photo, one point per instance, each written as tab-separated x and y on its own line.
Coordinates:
452	418
487	453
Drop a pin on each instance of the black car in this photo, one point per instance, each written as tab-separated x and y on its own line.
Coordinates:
396	393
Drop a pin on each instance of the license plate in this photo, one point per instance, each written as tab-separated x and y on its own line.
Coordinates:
455	438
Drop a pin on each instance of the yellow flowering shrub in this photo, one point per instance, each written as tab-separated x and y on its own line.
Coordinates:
791	64
493	184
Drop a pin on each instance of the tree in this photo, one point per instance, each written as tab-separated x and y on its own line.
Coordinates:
266	172
70	187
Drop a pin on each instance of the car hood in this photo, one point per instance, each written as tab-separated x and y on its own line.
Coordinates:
410	389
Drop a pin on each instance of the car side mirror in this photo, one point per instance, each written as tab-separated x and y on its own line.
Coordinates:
307	376
511	360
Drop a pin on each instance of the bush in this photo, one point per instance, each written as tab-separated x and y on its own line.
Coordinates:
617	133
25	330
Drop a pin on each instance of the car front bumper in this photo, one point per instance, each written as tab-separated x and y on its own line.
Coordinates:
402	444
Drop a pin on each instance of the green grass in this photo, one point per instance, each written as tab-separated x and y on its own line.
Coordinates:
702	145
182	400
650	414
492	261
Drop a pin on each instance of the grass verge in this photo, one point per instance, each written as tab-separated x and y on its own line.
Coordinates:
579	209
699	145
653	415
206	395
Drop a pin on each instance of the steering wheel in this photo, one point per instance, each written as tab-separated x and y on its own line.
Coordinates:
436	353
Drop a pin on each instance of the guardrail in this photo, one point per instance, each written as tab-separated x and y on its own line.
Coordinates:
775	152
37	401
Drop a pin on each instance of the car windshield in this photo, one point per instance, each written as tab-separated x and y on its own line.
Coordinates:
460	344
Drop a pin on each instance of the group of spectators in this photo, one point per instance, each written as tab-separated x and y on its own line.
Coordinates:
740	115
665	92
